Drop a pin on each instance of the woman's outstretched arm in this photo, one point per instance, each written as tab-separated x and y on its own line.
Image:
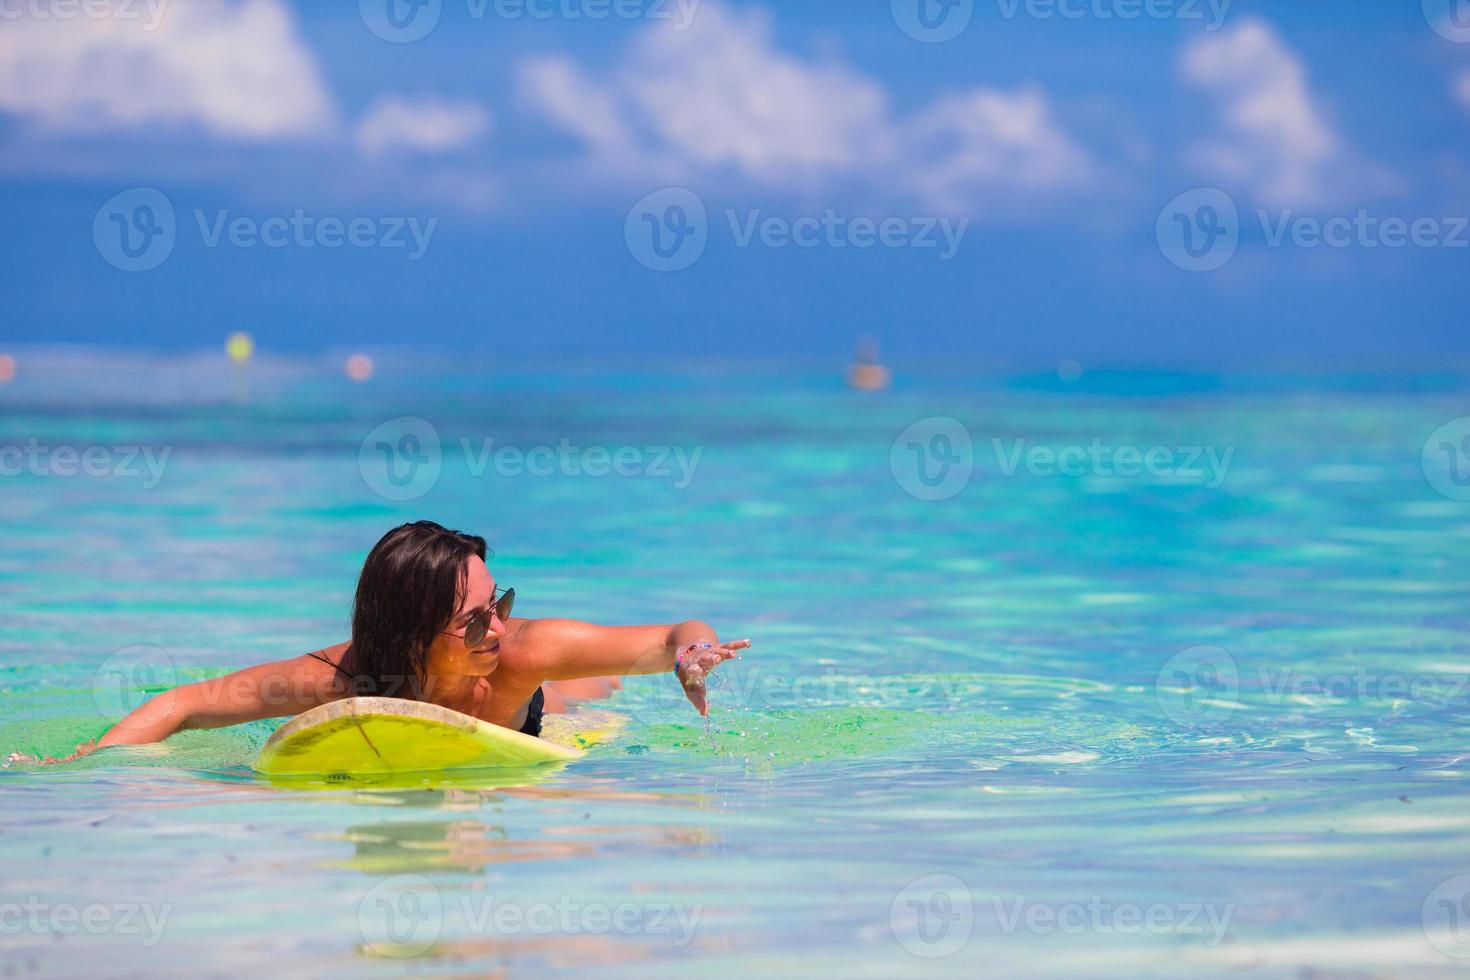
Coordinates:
564	649
285	687
273	690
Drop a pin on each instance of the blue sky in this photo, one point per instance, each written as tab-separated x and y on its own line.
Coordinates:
1051	140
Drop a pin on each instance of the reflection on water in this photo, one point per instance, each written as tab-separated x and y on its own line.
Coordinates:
979	734
399	847
403	846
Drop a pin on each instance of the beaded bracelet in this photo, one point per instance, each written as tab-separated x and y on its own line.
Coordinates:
679	657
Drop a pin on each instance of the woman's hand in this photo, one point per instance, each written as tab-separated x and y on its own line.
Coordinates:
20	758
694	664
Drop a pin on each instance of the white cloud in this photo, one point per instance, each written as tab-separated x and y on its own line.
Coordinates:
715	95
721	97
574	102
721	93
974	143
425	125
1275	138
236	69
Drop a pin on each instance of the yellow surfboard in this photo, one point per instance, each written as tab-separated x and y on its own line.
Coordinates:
374	737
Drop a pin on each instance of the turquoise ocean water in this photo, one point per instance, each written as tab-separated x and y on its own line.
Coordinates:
1019	703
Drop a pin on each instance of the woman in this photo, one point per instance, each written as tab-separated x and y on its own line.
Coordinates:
427	624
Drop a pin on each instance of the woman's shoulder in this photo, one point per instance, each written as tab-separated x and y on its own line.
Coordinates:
327	658
324	670
525	650
528	642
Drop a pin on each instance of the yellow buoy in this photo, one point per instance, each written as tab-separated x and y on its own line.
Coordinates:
240	346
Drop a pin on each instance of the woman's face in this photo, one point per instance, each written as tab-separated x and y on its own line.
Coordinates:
448	656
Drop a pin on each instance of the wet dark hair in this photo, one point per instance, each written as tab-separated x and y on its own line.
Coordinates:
410	588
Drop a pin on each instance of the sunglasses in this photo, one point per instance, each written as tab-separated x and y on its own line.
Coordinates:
478	625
